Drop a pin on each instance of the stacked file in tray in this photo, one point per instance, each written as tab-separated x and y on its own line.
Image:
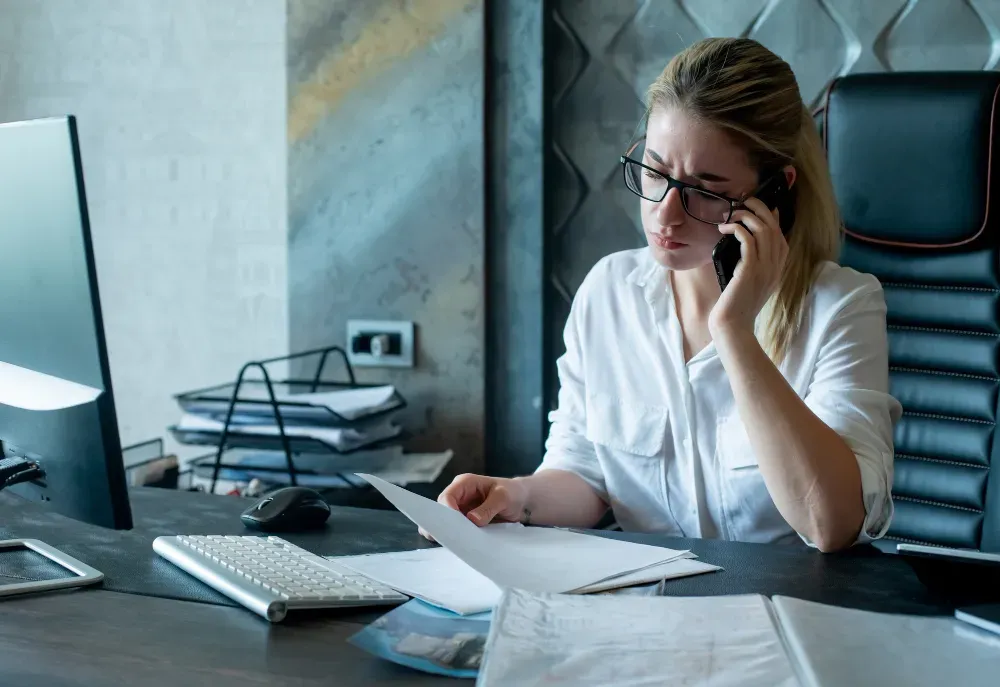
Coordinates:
338	419
330	471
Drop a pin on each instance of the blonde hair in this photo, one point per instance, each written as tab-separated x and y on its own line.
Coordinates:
745	89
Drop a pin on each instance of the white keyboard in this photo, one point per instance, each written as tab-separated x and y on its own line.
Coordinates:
270	576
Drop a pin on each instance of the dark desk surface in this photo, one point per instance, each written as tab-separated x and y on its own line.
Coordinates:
99	636
105	638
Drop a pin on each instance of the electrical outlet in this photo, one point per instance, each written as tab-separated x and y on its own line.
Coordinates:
380	343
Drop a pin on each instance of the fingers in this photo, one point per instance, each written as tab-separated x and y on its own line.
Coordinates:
758	210
483	499
496	500
461	494
448	497
768	239
748	245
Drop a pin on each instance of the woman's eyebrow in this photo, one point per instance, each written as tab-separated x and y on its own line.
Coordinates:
703	176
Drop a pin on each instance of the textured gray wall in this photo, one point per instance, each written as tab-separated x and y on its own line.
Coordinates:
181	109
385	141
606	52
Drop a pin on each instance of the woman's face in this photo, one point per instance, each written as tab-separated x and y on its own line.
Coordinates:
688	150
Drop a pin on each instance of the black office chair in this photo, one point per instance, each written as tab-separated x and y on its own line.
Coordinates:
914	163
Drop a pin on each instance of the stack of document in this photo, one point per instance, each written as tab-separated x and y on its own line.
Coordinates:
331	435
746	640
439	577
331	471
340	439
475	564
337	421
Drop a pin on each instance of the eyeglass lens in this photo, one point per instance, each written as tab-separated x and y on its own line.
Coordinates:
699	204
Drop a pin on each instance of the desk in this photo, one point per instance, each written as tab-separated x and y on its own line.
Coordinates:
190	635
105	638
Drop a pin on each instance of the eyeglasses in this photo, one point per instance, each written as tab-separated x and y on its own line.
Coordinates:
653	185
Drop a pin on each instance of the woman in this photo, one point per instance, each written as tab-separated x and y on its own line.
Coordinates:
758	412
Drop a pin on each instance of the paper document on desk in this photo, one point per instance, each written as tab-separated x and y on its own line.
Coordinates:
884	648
533	558
328	471
440	578
349	403
340	439
545	639
745	640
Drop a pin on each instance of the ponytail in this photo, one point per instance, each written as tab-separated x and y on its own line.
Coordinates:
814	238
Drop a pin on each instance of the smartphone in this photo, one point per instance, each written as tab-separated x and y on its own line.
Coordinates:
775	194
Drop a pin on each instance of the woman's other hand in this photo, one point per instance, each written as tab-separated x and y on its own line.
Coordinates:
486	499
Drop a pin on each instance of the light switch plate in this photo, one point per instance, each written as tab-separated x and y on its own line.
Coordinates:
403	328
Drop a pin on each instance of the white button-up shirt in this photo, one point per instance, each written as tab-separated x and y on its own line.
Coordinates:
661	440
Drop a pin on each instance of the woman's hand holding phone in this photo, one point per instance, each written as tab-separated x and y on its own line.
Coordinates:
763	251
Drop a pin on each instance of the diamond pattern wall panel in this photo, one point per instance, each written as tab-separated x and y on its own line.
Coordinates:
989	12
597	22
864	24
568	58
804	34
566	190
724	17
606	52
595	119
637	51
599	228
943	34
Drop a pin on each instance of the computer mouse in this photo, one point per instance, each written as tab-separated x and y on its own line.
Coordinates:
290	509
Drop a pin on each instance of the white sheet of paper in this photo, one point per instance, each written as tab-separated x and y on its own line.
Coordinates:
679	567
532	558
440	578
341	439
436	576
884	648
545	639
351	403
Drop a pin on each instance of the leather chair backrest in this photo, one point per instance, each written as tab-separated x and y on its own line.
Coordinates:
913	157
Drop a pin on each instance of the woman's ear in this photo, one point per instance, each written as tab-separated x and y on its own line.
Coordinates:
790	175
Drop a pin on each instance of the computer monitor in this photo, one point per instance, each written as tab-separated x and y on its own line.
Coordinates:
57	408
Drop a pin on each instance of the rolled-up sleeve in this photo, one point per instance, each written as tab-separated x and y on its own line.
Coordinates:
567	447
849	391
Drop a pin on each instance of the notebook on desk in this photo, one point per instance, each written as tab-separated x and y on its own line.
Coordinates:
746	640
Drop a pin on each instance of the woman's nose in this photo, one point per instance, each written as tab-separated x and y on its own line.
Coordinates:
670	210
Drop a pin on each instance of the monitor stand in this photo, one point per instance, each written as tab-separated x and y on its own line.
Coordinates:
85	575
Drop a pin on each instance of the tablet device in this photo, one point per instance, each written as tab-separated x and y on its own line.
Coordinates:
962	577
986	616
956	555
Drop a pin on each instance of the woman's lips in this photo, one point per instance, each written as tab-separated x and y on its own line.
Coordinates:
667	244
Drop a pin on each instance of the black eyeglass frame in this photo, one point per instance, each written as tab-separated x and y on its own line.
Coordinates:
734	203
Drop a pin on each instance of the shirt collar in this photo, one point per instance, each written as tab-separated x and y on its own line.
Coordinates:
647	272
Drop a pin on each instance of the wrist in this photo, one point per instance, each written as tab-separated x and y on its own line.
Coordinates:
726	331
522	487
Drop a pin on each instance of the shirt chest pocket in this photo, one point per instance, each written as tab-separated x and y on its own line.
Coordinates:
626	426
732	444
